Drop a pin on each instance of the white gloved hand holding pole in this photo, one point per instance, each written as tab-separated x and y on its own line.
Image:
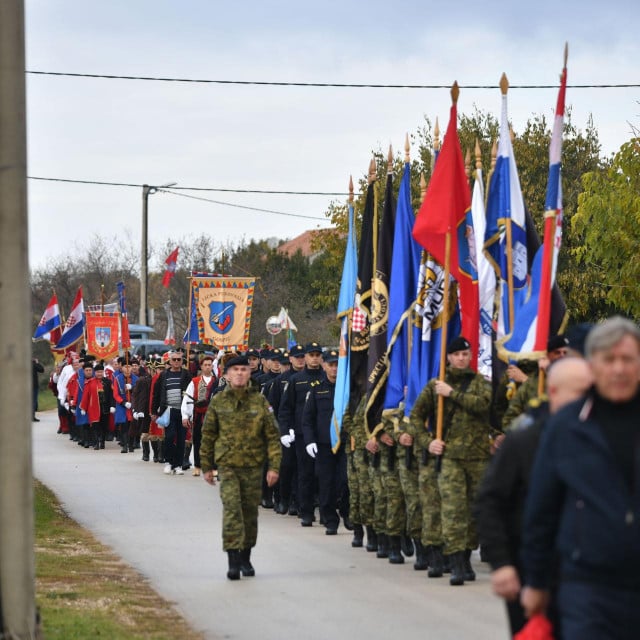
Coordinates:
286	441
312	449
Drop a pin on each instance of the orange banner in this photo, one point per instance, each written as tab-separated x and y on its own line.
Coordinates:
102	334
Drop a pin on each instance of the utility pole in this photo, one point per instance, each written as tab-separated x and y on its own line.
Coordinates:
17	573
147	190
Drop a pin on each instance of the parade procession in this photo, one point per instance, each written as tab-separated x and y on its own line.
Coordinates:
459	417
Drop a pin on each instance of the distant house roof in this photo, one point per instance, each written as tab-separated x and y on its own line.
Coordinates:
301	243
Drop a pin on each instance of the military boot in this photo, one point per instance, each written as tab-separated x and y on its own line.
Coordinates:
358	536
446	564
186	463
469	573
421	563
146	450
395	552
234	564
435	560
154	446
245	563
383	546
457	569
406	545
372	539
124	439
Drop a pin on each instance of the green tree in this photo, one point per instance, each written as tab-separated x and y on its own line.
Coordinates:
608	220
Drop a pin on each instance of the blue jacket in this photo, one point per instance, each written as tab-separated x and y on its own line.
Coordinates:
580	507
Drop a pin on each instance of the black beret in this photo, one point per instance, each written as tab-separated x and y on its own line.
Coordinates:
557	342
238	361
458	344
577	335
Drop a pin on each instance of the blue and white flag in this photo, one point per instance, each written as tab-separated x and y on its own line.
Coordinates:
345	310
506	232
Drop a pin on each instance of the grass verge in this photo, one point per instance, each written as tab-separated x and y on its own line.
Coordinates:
84	591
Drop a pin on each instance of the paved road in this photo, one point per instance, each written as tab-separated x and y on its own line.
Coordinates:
307	584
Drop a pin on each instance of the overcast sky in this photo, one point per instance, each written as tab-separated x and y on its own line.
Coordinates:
282	138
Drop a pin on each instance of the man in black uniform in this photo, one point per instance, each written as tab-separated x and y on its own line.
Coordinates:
288	469
290	418
331	468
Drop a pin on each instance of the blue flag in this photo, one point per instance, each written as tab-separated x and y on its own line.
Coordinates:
345	310
402	294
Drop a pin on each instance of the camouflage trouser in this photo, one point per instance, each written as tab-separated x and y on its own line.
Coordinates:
240	489
458	481
360	491
409	483
379	520
430	503
396	516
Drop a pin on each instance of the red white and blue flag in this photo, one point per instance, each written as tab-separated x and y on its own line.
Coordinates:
50	326
125	339
532	327
170	269
74	326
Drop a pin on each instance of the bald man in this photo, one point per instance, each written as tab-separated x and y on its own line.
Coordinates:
500	500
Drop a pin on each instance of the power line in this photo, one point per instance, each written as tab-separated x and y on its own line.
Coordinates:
241	206
217	189
339	85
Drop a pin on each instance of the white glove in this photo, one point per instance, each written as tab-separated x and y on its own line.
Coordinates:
292	435
140	415
135	415
66	406
127	386
127	405
286	441
312	449
83	412
112	409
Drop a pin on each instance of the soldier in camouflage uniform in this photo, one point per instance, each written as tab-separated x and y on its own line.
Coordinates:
396	516
464	450
360	490
238	434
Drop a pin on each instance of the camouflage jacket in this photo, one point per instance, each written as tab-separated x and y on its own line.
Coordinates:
527	391
353	426
467	434
239	430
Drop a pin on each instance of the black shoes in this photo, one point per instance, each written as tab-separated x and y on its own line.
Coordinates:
331	531
406	545
306	522
469	573
267	503
234	564
383	546
457	568
435	560
422	562
358	536
246	568
395	553
372	539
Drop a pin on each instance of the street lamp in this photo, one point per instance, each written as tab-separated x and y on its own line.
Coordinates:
147	190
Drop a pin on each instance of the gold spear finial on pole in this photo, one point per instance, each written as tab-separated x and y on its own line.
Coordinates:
467	163
478	155
566	53
494	154
390	161
436	136
423	186
455	92
372	171
512	135
504	84
350	189
407	149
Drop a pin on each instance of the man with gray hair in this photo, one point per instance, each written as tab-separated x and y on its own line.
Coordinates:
582	519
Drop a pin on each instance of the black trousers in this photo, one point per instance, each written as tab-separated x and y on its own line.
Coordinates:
306	472
331	471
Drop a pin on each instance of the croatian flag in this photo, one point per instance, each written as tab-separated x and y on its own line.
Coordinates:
74	326
125	339
506	232
170	269
49	327
532	327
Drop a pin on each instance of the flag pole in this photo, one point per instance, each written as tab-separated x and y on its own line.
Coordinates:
504	88
455	92
189	320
